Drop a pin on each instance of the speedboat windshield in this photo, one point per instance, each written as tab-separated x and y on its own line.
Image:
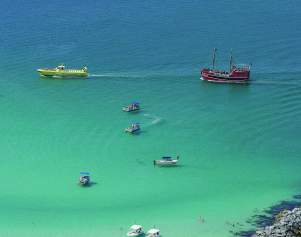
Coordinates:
61	67
166	158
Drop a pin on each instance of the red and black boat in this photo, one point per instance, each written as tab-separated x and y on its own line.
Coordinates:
236	74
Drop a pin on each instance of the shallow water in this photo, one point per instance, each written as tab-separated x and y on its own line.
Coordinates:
238	144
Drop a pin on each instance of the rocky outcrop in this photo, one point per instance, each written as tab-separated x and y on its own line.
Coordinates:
287	224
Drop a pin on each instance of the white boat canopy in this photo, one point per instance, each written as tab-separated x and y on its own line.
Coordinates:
136	227
153	231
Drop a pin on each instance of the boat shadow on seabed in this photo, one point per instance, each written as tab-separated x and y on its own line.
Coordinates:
89	185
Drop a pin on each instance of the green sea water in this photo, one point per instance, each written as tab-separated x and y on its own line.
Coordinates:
238	152
238	144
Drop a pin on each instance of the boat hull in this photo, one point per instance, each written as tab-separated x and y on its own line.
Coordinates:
125	109
62	73
234	76
134	234
129	130
84	183
165	163
221	80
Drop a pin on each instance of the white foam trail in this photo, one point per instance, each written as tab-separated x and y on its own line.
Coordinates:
274	82
124	75
155	119
99	75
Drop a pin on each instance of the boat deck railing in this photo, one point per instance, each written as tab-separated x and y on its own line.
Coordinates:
65	70
242	67
74	70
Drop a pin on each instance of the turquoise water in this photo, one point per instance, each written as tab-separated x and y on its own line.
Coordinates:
239	144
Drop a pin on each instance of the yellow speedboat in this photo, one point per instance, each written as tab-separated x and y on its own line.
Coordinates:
60	71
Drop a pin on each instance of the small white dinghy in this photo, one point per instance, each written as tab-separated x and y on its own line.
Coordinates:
135	230
153	233
167	161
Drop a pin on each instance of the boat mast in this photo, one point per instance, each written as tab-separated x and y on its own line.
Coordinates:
231	60
213	58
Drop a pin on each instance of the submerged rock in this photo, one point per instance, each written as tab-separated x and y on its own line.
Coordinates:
282	219
287	224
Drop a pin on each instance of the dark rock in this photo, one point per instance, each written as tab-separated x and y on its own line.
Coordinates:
281	220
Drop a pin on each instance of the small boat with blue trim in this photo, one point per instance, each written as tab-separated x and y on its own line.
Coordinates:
61	71
135	127
135	106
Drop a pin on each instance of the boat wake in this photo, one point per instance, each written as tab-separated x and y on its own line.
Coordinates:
274	82
154	119
56	76
115	75
99	75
